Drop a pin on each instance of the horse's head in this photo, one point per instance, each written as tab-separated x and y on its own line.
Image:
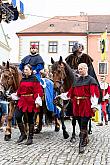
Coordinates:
59	74
63	75
7	78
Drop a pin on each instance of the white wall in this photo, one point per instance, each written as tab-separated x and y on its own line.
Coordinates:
4	54
63	45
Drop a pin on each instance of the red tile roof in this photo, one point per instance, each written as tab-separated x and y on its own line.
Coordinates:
70	24
63	24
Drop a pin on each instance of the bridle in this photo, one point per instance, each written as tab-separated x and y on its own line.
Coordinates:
8	88
59	76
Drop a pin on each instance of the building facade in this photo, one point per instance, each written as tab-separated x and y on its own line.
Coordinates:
56	36
4	47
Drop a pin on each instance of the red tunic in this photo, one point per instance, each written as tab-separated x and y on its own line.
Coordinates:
105	88
86	88
28	92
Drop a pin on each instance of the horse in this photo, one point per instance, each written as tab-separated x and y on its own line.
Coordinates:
63	77
9	82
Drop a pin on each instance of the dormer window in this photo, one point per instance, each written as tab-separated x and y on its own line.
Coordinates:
51	25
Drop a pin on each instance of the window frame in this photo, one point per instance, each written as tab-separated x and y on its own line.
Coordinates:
106	69
70	46
53	46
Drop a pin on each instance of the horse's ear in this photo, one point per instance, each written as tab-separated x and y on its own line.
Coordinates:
60	60
52	60
7	65
3	63
1	67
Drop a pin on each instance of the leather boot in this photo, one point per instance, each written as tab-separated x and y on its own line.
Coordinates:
30	137
86	138
81	143
23	136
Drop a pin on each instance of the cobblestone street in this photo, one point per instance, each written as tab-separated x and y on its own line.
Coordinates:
49	148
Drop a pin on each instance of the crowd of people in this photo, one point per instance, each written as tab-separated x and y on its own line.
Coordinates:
85	92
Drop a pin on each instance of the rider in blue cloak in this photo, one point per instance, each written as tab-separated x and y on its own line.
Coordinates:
35	60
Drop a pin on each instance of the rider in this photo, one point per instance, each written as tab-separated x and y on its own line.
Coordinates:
35	60
77	57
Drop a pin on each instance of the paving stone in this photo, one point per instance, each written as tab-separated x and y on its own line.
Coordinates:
50	148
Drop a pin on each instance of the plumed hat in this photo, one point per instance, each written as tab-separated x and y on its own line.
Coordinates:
76	46
33	46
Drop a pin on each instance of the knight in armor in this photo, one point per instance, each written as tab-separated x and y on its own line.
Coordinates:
35	60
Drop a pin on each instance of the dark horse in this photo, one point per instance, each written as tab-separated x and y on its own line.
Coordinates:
9	82
63	77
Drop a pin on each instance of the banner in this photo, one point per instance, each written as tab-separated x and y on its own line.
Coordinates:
103	44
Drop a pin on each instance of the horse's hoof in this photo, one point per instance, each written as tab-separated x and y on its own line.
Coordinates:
89	132
37	131
73	140
57	129
7	137
65	135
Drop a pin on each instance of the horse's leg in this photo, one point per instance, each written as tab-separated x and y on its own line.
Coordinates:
65	133
90	126
73	138
9	119
57	124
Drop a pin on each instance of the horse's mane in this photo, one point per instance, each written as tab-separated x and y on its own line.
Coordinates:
69	72
16	75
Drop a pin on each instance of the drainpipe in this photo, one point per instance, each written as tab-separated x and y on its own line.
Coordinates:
87	42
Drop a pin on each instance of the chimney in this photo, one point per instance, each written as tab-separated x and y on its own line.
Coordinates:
82	13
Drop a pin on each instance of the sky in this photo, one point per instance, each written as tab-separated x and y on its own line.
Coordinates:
37	11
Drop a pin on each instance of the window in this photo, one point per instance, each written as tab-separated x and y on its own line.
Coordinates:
71	43
35	42
53	47
103	68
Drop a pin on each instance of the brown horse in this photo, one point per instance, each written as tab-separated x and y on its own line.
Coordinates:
9	81
63	77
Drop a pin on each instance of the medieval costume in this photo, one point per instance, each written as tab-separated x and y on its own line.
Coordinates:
74	59
35	60
84	95
29	94
105	88
77	57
